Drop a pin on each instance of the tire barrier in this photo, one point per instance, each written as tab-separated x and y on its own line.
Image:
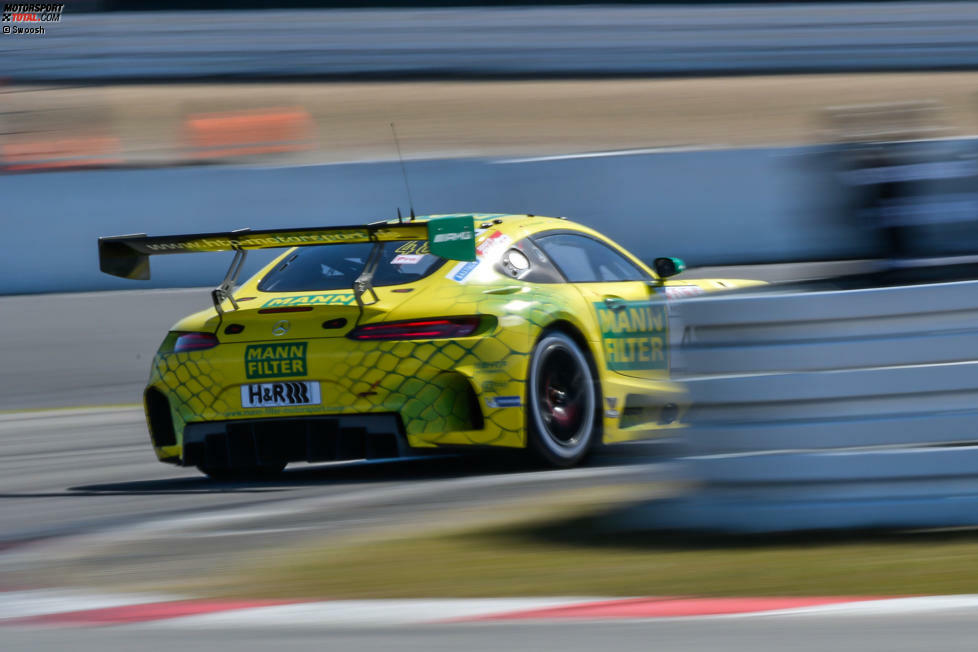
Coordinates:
57	153
826	410
38	140
232	134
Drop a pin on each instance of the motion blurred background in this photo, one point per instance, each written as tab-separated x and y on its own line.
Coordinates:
784	141
690	129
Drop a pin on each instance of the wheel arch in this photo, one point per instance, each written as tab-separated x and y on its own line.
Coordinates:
573	332
569	329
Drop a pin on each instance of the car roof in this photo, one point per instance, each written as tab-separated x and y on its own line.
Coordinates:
519	225
515	225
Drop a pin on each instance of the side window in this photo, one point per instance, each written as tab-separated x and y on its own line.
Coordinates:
586	260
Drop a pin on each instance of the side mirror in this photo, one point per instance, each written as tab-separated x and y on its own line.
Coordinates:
666	267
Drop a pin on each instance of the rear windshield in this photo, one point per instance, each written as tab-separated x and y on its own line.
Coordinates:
335	267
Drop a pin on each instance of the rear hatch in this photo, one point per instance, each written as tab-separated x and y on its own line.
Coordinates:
308	294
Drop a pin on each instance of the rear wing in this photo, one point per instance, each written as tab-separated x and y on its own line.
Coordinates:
127	256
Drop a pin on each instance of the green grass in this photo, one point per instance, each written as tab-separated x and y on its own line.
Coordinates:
573	556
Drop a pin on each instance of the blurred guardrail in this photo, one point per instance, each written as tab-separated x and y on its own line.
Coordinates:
830	409
522	41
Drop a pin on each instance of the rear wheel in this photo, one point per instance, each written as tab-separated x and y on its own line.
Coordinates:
562	415
250	473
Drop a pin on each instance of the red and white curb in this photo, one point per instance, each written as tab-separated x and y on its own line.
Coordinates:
70	608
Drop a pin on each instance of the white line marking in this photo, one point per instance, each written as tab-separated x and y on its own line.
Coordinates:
41	602
357	613
48	296
886	606
616	152
426	156
374	613
70	415
257	531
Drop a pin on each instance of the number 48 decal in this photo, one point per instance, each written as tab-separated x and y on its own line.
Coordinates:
413	247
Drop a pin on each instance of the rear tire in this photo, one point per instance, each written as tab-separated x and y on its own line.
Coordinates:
230	475
562	415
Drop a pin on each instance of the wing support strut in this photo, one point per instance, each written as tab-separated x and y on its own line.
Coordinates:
224	290
365	282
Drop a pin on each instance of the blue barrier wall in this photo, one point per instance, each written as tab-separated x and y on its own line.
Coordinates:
710	207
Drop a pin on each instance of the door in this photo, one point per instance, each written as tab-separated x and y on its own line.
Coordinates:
631	316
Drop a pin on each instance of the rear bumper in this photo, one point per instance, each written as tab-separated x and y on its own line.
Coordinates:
250	443
441	390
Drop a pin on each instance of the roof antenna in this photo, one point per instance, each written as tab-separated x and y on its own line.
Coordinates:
400	220
407	186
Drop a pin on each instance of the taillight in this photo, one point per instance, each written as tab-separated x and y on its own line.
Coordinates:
417	329
194	342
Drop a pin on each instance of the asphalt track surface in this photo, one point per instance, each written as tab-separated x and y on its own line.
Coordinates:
84	503
75	455
85	478
946	632
81	496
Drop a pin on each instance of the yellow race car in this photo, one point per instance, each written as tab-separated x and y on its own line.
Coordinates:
376	341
